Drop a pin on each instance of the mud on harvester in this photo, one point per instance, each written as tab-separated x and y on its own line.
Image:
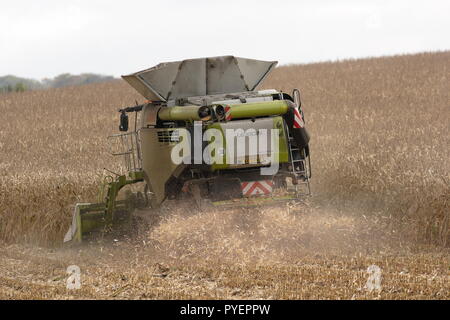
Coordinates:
207	133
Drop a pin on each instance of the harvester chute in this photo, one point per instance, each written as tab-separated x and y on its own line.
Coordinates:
199	77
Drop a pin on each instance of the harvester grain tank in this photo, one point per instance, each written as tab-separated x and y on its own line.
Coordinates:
208	113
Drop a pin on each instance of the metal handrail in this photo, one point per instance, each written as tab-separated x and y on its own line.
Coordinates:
128	147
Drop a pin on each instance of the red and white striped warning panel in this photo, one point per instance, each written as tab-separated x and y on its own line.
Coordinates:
227	113
253	188
298	119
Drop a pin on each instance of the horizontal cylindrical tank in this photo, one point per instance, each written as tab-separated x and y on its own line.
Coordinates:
251	110
187	113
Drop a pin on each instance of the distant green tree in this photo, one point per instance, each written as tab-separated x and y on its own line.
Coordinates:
9	88
20	87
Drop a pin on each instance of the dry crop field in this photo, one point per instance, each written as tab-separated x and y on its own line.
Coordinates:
381	195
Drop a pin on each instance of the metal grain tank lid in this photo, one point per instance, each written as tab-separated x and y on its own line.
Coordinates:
200	77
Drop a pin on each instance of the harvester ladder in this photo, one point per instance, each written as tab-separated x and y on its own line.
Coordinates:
127	145
299	166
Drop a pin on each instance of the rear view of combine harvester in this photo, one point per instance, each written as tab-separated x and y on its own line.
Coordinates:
187	100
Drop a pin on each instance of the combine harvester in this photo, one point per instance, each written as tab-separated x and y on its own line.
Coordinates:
205	132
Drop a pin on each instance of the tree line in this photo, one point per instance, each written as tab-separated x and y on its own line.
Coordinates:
12	83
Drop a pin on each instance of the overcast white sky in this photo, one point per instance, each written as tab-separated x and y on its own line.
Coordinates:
47	37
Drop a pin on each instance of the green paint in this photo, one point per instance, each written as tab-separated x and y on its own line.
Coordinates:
95	216
187	113
258	109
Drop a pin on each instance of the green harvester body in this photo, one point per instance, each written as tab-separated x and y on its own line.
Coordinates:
187	100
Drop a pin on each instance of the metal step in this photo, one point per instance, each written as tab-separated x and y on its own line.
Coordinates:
301	175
